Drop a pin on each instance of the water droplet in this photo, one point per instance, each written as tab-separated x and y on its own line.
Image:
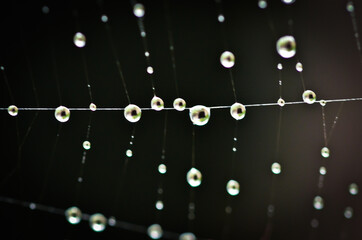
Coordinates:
235	139
155	231
86	145
187	236
262	4
227	59
318	203
353	189
104	18
45	9
288	1
112	221
322	170
80	179
62	114
132	113
162	168
147	54
150	70
234	149
314	223
139	10
92	107
309	96
129	153
237	111
157	103
322	102
233	187
281	102
13	110
32	206
159	205
228	209
143	34
270	211
79	39
200	115
325	152
179	104
286	46
194	177
221	18
280	66
348	212
97	222
350	6
73	215
276	168
299	67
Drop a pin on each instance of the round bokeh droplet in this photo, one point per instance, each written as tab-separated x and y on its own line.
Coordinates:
157	103
92	107
139	10
286	46
237	111
262	4
227	59
73	215
325	152
200	115
348	212
162	168
79	40
97	222
132	113
86	145
159	205
129	153
187	236
62	114
281	102
13	110
318	203
322	170
233	187
353	189
309	96
194	177
299	67
276	168
322	102
179	104
155	231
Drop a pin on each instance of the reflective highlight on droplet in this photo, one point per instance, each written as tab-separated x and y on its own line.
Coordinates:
92	107
97	222
159	205
348	212
157	103
288	1
179	104
281	102
132	113
150	70
276	168
194	177
62	114
286	46
353	189
299	67
73	215
13	110
350	6
309	96
129	153
221	18
187	236
112	221
86	145
233	187
262	4
322	102
318	203
237	111
104	18
139	10
322	170
227	59
155	231
162	168
325	152
79	39
200	115
280	66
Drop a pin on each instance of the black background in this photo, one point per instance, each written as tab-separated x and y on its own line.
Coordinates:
325	45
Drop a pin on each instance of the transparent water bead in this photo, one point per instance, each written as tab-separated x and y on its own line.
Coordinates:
150	70
322	170
139	10
281	102
318	203
348	212
112	221
86	145
322	102
104	18
325	152
221	18
237	111
286	46
200	115
132	113
309	96
73	215
92	107
233	187
299	67
98	222
280	66
276	168
162	168
13	110
227	59
129	153
187	236
155	231
179	104
157	103
159	205
353	189
262	4
314	223
288	1
350	6
194	177
79	40
62	114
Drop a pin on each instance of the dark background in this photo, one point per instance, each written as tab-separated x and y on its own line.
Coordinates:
325	45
